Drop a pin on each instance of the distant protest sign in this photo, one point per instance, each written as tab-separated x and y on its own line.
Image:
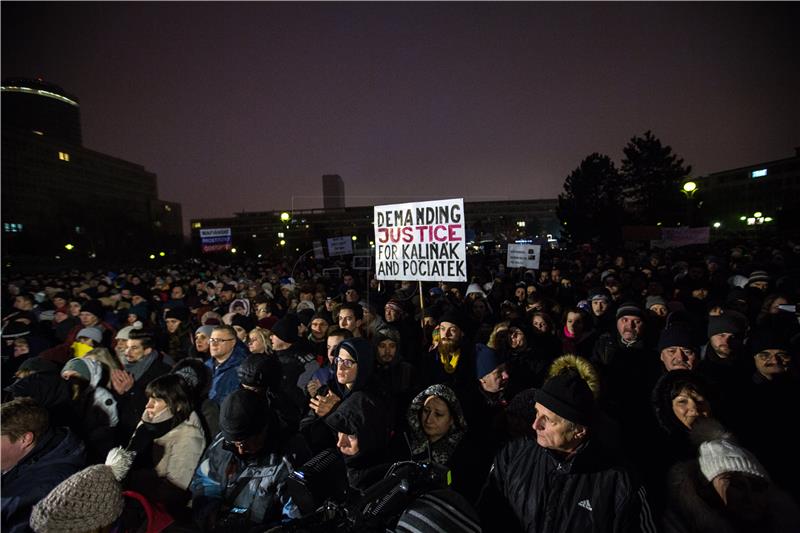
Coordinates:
319	253
340	246
215	239
523	255
421	241
675	237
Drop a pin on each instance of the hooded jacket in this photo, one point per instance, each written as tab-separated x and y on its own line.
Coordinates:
364	416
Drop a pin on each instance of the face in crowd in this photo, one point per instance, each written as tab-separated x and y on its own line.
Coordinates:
387	350
679	358
554	432
630	327
348	320
689	405
222	343
346	368
496	380
435	418
772	363
449	335
318	328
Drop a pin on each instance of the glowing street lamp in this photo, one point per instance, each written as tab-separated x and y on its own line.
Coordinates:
162	254
282	242
69	247
717	224
285	216
355	238
152	256
757	214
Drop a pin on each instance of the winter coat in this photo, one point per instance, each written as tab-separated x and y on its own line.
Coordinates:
57	455
585	492
175	456
131	404
224	377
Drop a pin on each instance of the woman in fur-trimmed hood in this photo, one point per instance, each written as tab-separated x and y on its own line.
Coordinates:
724	489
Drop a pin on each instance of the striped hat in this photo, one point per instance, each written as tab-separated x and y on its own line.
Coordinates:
439	510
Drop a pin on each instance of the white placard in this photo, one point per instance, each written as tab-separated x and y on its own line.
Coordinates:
421	241
340	246
319	252
524	255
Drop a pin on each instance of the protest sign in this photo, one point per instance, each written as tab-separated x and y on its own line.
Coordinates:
421	241
523	255
675	237
340	246
319	253
215	239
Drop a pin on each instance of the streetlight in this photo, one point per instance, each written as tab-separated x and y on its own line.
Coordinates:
285	216
717	224
162	254
69	247
689	189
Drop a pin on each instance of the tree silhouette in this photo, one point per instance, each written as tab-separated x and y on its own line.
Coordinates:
652	176
590	206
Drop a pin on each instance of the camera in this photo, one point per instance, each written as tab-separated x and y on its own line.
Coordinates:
320	490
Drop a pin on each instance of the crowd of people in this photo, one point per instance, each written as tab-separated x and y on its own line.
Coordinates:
631	391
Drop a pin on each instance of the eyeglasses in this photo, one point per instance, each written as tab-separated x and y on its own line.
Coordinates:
764	356
212	340
344	363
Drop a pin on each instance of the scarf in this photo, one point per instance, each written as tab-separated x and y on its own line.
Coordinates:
148	430
450	361
442	450
141	366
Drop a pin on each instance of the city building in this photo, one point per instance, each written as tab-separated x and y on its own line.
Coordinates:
62	199
757	194
332	191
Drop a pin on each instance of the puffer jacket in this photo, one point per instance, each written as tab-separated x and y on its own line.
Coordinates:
586	492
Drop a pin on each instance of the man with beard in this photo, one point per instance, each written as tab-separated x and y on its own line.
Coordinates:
318	329
451	360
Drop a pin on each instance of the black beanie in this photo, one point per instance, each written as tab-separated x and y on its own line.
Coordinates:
568	396
768	339
677	335
94	307
260	370
723	324
242	415
454	317
242	321
178	313
286	330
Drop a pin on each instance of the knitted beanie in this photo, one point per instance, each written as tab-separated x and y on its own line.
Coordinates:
286	330
650	301
486	360
79	366
758	275
439	510
726	323
569	396
91	333
720	456
629	309
88	500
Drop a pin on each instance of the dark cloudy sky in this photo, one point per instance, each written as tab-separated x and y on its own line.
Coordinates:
243	106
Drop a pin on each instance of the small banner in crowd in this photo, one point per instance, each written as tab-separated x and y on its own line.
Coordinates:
523	255
340	246
215	239
675	237
421	241
319	252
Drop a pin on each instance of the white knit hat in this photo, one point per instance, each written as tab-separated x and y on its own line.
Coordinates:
720	456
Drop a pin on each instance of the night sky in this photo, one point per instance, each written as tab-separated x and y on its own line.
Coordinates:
243	107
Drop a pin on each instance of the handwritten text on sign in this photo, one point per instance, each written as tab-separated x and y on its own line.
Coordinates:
421	241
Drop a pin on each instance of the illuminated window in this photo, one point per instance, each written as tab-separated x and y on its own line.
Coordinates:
11	227
167	208
63	156
196	225
758	173
37	132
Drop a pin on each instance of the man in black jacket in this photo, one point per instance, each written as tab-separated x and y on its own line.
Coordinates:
562	481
